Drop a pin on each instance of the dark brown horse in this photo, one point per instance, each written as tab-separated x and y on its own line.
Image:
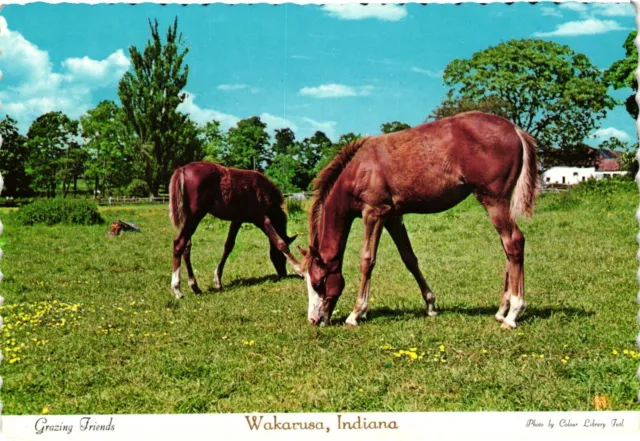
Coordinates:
239	196
426	169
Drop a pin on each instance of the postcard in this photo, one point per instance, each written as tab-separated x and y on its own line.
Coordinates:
334	221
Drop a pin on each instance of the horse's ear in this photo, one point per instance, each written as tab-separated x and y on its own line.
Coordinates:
303	251
290	240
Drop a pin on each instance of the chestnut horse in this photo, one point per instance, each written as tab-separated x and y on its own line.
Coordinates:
426	169
239	196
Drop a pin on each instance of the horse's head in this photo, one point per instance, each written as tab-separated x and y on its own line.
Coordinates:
324	285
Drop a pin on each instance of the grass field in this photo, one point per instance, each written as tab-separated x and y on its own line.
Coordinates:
90	325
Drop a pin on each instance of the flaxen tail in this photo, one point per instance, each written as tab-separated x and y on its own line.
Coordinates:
523	197
176	198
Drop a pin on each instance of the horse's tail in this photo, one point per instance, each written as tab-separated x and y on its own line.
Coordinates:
523	197
176	198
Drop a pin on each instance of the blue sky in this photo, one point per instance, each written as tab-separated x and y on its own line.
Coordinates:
333	68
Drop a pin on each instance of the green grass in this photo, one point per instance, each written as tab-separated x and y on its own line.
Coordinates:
115	340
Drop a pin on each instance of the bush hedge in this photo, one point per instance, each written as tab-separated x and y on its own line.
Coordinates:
54	211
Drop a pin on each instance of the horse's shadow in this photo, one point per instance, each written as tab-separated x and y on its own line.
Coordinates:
528	315
250	281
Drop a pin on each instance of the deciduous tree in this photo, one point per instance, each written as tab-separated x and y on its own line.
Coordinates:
14	156
621	74
555	94
394	126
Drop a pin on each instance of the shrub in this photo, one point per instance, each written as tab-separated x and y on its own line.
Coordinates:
54	211
294	207
138	189
605	186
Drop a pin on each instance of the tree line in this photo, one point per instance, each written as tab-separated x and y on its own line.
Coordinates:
546	88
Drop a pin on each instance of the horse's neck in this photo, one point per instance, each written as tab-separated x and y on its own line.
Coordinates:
334	228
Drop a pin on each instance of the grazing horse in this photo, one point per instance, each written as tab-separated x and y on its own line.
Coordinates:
426	169
239	196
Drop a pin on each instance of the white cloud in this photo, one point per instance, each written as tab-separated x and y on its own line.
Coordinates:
334	90
590	26
276	122
603	9
328	127
34	87
231	87
550	11
576	7
202	116
110	70
236	87
589	23
614	9
427	72
611	132
352	11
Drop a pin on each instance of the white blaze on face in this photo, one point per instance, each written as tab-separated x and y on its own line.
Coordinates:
314	299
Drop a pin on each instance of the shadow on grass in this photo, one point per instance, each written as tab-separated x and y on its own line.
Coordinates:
252	281
529	315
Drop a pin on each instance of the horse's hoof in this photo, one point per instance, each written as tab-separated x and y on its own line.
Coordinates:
508	325
432	313
178	294
351	321
196	289
499	318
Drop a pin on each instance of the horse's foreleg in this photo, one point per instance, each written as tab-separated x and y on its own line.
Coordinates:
372	231
513	244
187	262
395	227
279	244
228	247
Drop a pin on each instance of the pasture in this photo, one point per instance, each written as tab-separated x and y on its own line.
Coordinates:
91	326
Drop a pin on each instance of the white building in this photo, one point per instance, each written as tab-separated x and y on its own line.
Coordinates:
573	175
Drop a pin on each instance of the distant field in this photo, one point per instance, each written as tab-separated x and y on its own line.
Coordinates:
90	325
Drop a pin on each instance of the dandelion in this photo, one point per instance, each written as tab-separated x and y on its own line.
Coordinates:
614	352
601	402
524	355
360	390
441	348
45	410
484	351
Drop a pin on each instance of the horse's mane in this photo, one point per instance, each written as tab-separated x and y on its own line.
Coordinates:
325	181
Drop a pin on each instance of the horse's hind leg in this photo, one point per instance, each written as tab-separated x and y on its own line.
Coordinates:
182	247
228	247
395	227
513	244
187	262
